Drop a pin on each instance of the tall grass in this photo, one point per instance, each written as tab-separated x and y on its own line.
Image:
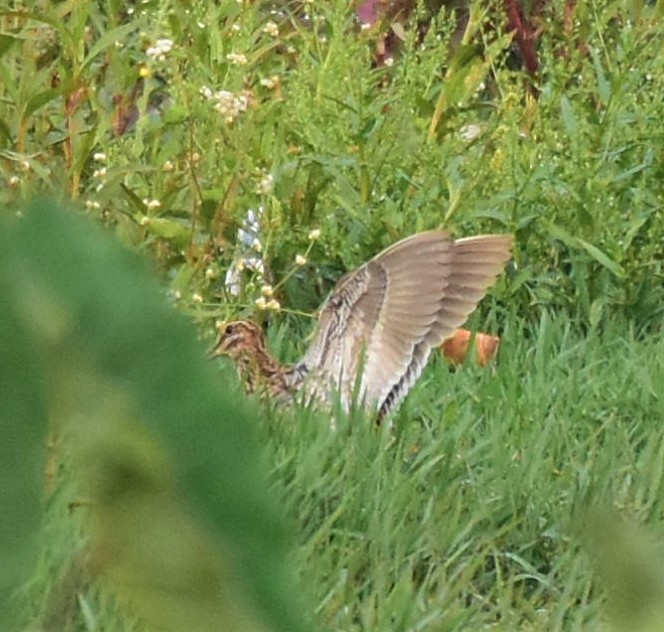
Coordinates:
481	509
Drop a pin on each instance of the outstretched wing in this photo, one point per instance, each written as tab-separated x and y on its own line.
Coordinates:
387	315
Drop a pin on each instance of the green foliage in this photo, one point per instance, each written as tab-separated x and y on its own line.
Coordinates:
22	425
180	522
306	127
472	514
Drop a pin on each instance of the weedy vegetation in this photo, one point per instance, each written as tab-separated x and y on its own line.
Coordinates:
251	153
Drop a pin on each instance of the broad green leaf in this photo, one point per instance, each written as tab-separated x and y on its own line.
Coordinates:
163	446
23	444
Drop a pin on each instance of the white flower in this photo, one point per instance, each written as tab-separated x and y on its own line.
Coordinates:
300	260
470	132
100	173
167	166
271	82
266	185
196	297
228	104
160	49
92	204
14	180
257	246
99	156
165	44
151	204
144	221
273	305
314	234
237	58
267	291
236	27
260	303
271	29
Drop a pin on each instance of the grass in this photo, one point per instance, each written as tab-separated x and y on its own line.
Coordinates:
524	496
472	513
503	498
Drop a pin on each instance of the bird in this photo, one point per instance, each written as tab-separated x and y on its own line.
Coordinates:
378	326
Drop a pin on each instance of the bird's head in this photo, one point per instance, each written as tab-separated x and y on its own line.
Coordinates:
238	338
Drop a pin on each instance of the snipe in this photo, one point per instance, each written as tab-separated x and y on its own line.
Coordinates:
383	319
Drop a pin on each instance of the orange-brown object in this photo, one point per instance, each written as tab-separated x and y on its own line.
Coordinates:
455	348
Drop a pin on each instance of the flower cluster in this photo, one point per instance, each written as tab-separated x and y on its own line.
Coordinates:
272	304
239	59
271	29
151	204
229	105
266	184
271	83
160	49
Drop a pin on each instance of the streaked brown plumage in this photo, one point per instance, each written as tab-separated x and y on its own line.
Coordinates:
383	319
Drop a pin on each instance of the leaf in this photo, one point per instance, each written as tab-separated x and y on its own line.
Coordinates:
579	244
164	449
40	99
569	120
603	86
170	230
602	258
6	42
634	227
109	38
23	431
596	311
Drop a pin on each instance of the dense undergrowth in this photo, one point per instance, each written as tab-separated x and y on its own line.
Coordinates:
281	107
238	145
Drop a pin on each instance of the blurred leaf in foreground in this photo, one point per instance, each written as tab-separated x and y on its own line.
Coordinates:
181	522
22	432
630	566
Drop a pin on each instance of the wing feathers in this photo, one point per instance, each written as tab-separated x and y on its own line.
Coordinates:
399	305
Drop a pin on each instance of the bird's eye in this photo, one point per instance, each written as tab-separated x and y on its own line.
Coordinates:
229	330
